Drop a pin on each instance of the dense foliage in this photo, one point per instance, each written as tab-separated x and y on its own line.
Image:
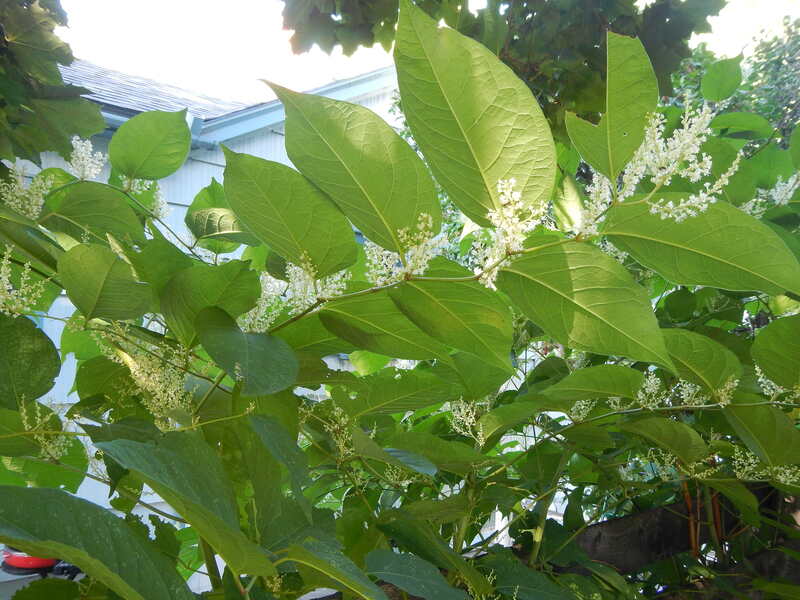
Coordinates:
770	84
548	43
38	112
625	352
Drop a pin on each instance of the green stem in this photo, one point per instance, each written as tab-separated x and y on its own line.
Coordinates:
543	507
214	385
718	550
209	558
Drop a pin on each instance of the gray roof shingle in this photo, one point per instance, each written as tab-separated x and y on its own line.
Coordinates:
137	94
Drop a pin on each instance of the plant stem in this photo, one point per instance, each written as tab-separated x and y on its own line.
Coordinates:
209	558
543	507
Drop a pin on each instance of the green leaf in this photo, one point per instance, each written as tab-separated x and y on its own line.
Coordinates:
721	79
284	449
794	147
49	589
722	247
767	431
680	439
743	499
89	536
462	314
742	125
262	363
475	124
776	349
24	344
288	213
209	216
412	575
67	474
514	579
601	381
13	441
585	300
366	363
455	457
101	284
219	224
373	322
309	335
391	391
187	473
157	262
497	421
326	559
151	145
231	286
93	208
701	360
356	158
420	538
631	95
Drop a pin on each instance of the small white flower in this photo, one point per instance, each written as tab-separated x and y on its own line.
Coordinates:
652	394
22	298
581	409
84	163
420	245
27	201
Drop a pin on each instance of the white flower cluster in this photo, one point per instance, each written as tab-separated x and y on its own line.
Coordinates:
689	394
27	201
397	476
304	289
513	220
420	245
464	420
599	196
581	409
779	195
268	306
724	395
160	208
748	467
663	462
338	427
652	393
39	422
159	373
608	248
22	298
84	163
768	387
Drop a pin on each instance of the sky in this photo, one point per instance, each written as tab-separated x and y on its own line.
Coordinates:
224	52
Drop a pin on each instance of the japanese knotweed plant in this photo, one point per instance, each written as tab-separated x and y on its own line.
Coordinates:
619	340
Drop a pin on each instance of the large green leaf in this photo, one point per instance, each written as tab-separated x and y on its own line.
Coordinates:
680	439
264	364
586	300
601	381
700	359
187	473
29	361
46	522
309	335
463	314
356	158
767	431
231	286
515	579
497	421
13	440
288	213
455	457
721	79
327	559
373	322
211	221
392	391
151	145
420	538
101	284
411	574
477	122
776	349
91	208
284	449
722	247
631	95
